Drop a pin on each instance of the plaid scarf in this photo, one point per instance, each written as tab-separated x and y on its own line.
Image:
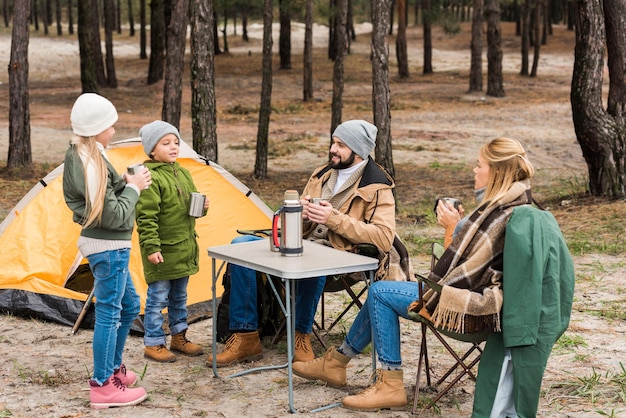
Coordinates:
470	270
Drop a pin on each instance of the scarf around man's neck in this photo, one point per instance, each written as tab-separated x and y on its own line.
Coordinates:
470	270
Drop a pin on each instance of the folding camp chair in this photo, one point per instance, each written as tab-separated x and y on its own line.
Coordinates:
466	360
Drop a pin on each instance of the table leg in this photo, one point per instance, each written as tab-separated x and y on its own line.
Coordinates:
214	314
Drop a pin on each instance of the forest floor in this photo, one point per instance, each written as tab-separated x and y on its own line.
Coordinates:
437	128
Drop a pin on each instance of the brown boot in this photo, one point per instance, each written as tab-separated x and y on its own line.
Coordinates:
386	393
240	347
159	353
303	350
181	344
331	368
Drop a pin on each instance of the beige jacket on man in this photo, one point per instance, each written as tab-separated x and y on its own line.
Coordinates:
366	217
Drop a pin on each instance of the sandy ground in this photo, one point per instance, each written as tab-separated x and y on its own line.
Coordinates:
435	121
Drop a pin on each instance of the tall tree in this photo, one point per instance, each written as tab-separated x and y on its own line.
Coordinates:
284	39
265	110
341	50
539	6
525	32
157	41
131	18
428	36
476	48
203	108
401	45
381	10
109	27
70	17
601	133
91	67
495	78
174	62
20	154
57	9
142	30
307	83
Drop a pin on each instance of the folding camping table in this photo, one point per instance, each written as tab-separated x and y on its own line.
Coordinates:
316	260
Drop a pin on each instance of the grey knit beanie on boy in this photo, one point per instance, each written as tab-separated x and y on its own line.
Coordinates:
358	135
152	133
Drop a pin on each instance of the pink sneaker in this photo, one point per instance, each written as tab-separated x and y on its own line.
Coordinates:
114	393
128	377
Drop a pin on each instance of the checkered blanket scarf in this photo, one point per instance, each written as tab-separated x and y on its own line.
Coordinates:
470	270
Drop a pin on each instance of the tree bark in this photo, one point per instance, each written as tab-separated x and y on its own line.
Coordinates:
284	41
20	154
174	62
495	79
600	133
536	31
476	47
90	64
131	18
109	27
157	41
401	46
341	37
428	37
381	10
262	140
307	84
525	44
142	30
203	103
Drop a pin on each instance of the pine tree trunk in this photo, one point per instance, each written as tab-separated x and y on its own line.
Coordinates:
476	47
20	154
157	41
265	110
428	37
495	79
174	62
203	107
307	83
600	133
401	46
109	26
341	37
89	78
381	10
284	41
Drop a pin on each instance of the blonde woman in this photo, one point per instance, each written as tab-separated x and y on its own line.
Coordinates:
471	268
103	203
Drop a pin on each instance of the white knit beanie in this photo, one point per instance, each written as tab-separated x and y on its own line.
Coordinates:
152	133
92	114
358	135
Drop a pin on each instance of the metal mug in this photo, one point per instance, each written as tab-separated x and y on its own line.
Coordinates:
196	204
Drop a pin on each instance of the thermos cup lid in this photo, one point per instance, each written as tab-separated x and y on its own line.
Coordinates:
291	195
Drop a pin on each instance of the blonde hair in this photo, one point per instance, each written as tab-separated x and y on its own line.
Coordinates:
87	149
508	164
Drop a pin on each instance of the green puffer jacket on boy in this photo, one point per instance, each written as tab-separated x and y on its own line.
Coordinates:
164	224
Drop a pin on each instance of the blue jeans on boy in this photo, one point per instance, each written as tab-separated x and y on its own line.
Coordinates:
170	294
117	306
242	312
386	302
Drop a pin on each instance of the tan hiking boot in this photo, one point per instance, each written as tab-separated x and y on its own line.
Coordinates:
240	347
331	368
303	350
159	353
386	393
181	344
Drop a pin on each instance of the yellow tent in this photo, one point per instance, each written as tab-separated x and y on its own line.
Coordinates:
40	260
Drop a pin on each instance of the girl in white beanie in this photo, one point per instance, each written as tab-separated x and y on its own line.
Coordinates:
103	203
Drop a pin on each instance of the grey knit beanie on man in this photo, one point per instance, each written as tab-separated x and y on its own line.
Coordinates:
358	135
91	115
152	133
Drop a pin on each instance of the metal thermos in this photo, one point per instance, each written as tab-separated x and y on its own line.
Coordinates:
289	242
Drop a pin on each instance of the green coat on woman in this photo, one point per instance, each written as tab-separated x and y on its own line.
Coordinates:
538	290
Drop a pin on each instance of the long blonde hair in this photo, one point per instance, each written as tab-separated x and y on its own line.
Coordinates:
508	164
89	153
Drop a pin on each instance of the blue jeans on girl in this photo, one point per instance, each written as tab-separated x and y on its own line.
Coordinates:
170	294
242	311
386	302
117	306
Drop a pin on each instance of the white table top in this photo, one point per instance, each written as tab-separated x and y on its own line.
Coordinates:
316	259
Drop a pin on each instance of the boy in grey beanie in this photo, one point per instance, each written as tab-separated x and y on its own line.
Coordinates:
152	133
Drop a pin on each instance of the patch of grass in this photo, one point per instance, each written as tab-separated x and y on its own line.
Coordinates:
569	342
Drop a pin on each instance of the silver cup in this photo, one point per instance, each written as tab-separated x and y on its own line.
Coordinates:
196	204
135	168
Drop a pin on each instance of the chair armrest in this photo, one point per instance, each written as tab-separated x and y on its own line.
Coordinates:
425	280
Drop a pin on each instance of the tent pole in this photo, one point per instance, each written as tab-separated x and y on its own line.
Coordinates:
84	310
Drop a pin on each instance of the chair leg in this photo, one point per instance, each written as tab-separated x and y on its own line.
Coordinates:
423	361
355	301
